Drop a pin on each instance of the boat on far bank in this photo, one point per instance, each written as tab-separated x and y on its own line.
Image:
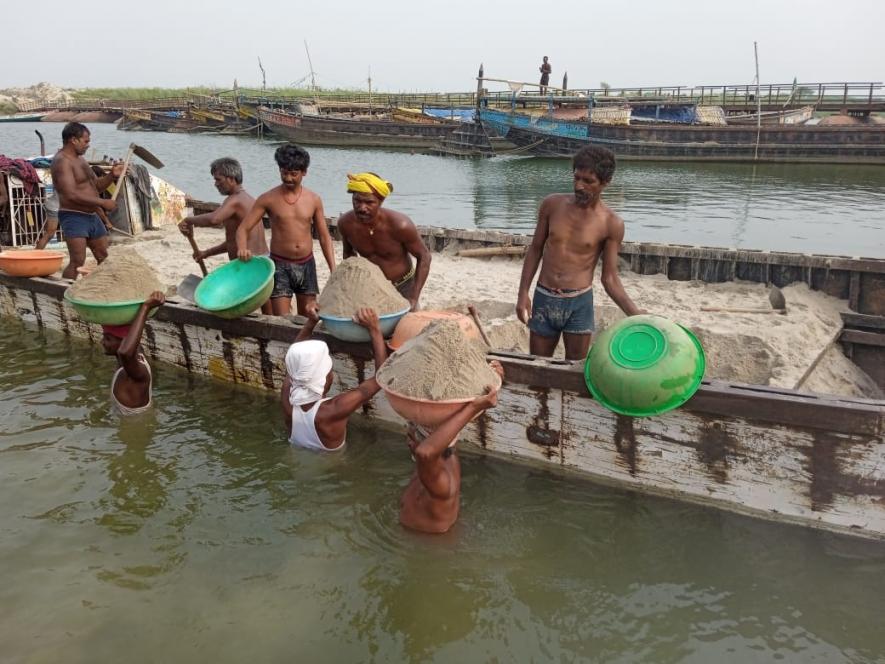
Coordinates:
364	131
23	117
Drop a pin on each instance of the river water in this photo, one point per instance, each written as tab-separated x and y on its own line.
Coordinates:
789	207
197	534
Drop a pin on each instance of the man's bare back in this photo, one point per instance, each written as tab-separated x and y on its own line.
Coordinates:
433	513
240	203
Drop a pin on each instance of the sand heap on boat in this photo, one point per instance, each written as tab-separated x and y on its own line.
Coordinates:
122	277
356	283
438	364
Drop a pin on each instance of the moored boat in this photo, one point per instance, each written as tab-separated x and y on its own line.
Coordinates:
362	132
22	117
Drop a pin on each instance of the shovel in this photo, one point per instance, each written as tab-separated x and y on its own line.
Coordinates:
142	153
189	284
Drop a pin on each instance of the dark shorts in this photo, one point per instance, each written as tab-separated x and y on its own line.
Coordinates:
553	314
406	287
80	224
291	278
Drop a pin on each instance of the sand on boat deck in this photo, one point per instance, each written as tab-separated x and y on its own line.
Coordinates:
760	349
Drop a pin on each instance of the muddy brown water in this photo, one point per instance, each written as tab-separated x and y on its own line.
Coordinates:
197	534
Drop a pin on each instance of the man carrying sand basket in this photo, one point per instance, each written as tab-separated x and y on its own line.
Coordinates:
387	238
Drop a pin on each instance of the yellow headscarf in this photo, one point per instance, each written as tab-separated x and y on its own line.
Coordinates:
368	183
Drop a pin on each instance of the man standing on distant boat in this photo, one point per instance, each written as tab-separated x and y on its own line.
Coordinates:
78	191
545	70
573	231
228	176
431	502
385	237
294	211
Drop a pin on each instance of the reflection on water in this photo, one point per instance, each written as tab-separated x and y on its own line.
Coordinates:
786	207
198	534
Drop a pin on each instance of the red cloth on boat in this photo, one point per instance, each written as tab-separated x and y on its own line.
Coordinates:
119	331
24	171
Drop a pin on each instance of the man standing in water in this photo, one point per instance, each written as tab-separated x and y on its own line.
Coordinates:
228	176
78	197
431	502
384	236
293	211
131	385
573	231
314	421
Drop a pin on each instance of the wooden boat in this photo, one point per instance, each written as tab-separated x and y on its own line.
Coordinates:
677	142
365	133
783	117
771	453
23	117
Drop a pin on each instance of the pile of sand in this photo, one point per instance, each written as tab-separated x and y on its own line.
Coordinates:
123	276
357	283
440	363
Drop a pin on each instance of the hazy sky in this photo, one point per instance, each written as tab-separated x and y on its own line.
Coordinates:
417	46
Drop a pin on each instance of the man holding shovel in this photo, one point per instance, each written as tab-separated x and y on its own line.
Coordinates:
228	176
78	191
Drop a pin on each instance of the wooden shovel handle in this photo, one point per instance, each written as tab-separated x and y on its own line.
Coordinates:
475	317
202	264
123	174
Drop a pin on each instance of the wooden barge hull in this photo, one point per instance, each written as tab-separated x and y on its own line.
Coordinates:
336	132
777	143
776	454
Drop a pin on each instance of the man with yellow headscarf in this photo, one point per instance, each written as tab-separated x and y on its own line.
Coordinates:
386	237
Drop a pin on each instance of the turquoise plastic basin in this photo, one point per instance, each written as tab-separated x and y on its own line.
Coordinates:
236	288
346	330
644	365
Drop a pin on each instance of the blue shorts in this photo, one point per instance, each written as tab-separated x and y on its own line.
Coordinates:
80	224
554	313
293	278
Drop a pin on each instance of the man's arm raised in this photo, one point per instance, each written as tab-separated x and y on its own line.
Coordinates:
128	350
611	281
531	261
428	453
258	210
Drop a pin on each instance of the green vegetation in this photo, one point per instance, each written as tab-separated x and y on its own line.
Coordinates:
8	108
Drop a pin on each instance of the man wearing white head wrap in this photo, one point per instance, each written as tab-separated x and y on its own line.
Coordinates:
431	502
313	421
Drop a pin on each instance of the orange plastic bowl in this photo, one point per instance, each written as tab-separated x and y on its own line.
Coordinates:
426	412
31	262
412	324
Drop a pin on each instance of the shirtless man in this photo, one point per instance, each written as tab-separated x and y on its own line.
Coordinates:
312	420
545	70
228	175
293	209
431	502
131	385
573	231
78	197
383	236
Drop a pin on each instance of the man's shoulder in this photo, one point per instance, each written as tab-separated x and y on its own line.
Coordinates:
555	200
397	219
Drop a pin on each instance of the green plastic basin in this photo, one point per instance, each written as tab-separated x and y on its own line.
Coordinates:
644	365
105	313
237	288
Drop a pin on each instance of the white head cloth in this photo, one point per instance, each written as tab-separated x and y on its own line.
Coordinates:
307	363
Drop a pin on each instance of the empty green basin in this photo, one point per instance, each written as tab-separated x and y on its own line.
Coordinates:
236	288
644	365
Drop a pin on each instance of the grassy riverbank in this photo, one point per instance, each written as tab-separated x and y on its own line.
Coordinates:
141	94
